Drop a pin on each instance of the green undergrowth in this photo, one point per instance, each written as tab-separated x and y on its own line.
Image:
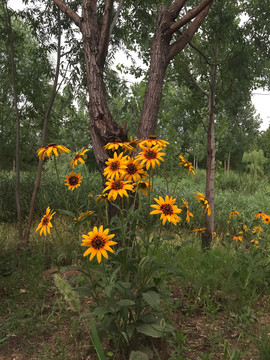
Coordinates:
227	286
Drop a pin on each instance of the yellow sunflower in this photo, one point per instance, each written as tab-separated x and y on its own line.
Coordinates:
99	243
266	219
189	214
150	155
45	223
238	238
102	197
200	229
254	242
167	209
187	164
79	157
134	170
83	215
73	180
234	213
142	186
205	204
51	149
153	141
257	230
259	214
134	143
117	186
117	144
116	166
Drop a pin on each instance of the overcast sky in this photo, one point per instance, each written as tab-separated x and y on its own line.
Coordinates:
260	98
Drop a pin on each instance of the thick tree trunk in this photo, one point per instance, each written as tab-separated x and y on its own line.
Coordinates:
210	164
103	128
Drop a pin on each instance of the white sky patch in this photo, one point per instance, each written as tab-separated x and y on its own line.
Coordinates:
261	102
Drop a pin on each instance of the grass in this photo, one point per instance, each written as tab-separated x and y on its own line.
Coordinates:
218	301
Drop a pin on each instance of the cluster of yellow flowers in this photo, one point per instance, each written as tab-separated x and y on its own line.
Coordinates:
126	171
256	230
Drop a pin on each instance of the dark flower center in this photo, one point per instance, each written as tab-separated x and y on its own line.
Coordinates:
77	156
45	221
114	166
51	144
73	180
152	137
98	242
166	209
150	154
131	169
117	185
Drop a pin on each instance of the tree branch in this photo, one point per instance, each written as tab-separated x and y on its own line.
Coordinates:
190	15
185	38
175	8
116	16
105	32
201	53
69	12
206	93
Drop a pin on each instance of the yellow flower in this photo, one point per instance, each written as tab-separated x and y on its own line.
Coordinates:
266	219
214	233
118	143
102	197
153	141
83	215
257	230
186	164
99	243
238	238
134	170
45	223
259	214
150	155
134	143
116	166
200	229
143	186
51	149
234	213
167	209
245	228
117	186
254	242
79	157
189	214
205	204
73	180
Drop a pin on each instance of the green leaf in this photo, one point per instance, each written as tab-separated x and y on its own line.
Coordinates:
149	330
152	298
126	302
101	310
67	212
138	355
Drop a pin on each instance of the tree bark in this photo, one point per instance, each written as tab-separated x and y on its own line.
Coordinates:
44	135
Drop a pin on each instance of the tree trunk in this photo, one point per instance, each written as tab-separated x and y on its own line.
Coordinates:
44	135
103	128
228	163
210	164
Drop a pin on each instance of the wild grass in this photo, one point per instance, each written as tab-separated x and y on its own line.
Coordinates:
224	291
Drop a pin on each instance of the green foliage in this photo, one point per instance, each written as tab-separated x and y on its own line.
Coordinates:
254	161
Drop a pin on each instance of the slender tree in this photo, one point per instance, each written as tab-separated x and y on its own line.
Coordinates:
17	113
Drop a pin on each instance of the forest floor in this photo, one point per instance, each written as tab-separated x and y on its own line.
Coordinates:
36	324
